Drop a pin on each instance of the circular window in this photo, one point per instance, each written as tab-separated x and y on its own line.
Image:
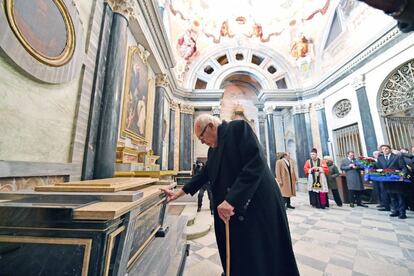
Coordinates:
44	28
239	56
342	108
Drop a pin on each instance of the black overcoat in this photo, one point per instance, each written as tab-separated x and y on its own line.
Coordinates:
260	242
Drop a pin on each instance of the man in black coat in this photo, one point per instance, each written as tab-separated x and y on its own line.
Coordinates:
388	160
246	195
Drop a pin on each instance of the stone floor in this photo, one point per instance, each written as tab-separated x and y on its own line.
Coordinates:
336	241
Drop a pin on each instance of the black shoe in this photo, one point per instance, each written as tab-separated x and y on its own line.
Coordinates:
394	214
351	205
402	216
290	207
380	206
198	209
339	205
384	209
363	205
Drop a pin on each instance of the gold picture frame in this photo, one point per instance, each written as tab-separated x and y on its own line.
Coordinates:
135	99
29	22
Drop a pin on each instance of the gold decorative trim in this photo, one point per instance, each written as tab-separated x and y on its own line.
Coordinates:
54	229
109	248
135	258
66	54
161	80
49	240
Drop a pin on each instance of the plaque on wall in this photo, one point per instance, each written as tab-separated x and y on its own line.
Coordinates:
134	113
43	37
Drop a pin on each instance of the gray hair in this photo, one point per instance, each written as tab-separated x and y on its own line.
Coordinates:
328	157
205	119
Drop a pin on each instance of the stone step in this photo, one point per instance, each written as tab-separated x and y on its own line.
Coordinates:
190	211
201	226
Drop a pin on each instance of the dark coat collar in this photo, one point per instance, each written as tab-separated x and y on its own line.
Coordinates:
215	167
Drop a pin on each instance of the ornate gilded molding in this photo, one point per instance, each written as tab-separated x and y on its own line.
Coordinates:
143	53
161	80
301	108
123	7
319	105
186	108
358	82
27	40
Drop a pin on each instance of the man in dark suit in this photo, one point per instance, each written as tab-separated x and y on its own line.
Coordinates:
389	160
353	179
246	196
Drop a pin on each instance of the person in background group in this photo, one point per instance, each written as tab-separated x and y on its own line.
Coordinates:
332	175
317	170
286	178
383	196
353	179
388	160
206	187
408	159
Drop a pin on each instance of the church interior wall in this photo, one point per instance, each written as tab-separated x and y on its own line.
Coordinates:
346	91
315	129
374	72
200	150
42	119
375	76
39	117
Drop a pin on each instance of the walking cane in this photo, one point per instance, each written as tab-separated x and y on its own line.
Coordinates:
227	248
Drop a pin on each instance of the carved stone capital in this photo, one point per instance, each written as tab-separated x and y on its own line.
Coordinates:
161	80
358	82
143	53
301	108
186	108
318	105
174	105
269	110
123	7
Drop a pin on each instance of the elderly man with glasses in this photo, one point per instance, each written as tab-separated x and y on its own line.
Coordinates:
246	196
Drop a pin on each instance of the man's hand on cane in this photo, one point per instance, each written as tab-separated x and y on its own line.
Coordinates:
225	211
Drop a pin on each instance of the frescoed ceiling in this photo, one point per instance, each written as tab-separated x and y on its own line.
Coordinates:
296	29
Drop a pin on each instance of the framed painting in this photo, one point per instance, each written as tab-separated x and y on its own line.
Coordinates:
44	28
134	112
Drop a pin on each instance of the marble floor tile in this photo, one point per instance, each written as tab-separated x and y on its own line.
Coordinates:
374	267
335	241
334	270
206	252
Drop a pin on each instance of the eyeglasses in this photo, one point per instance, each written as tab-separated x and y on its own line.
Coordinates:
201	137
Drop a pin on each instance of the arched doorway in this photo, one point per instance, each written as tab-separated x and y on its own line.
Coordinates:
397	106
239	99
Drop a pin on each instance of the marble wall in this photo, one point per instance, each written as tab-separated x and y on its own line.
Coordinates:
39	118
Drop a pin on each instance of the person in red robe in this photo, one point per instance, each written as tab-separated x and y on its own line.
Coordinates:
316	170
